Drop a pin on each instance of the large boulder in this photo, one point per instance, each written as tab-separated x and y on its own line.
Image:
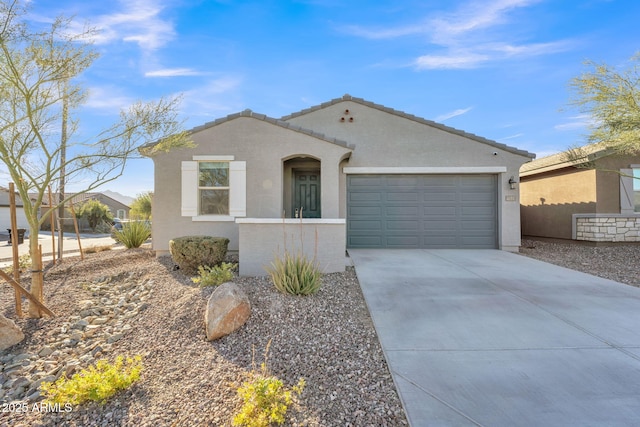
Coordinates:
10	334
227	310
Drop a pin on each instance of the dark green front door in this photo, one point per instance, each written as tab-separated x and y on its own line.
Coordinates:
306	194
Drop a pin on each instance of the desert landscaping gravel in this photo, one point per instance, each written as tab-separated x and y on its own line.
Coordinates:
618	262
129	303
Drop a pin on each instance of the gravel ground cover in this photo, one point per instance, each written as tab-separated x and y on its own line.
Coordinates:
619	262
128	303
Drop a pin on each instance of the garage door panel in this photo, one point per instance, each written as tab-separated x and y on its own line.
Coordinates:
367	241
365	196
478	211
402	225
402	241
444	225
371	211
366	225
403	196
422	211
365	181
402	181
402	211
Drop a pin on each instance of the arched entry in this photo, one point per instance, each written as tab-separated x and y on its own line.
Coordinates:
302	188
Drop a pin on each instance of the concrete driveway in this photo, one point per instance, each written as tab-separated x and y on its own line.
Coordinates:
490	338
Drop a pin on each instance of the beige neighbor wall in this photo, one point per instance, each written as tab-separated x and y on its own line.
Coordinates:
264	147
549	200
384	139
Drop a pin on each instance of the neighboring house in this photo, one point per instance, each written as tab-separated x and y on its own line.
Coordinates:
118	208
5	211
567	200
363	175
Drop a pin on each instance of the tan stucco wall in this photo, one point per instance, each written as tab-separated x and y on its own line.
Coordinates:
264	147
548	201
321	240
390	140
569	191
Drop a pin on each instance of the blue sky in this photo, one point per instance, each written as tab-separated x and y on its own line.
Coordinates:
496	68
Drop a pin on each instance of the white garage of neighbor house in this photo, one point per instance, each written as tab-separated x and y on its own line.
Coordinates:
5	212
363	176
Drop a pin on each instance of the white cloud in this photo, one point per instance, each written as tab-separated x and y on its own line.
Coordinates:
212	99
173	72
137	21
108	98
517	135
451	60
452	114
469	37
581	121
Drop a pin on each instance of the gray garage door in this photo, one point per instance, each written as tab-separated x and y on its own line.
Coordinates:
422	211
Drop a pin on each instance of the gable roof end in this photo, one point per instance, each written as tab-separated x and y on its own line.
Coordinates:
265	118
408	116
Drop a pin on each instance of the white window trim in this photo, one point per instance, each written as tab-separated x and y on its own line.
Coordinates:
237	189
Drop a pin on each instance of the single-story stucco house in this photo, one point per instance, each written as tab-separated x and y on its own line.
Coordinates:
360	175
117	206
592	196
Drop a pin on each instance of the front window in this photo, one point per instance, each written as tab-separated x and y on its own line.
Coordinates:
636	190
213	188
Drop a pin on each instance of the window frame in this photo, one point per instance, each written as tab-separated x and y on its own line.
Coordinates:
226	188
191	194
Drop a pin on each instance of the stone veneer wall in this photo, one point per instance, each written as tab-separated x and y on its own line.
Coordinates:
606	227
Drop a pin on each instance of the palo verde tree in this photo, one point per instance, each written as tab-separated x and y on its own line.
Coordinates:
141	206
39	96
611	97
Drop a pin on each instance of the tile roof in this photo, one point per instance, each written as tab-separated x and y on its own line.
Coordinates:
263	117
560	160
408	116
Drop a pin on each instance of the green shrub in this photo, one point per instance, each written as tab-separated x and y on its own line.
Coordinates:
96	383
191	252
24	262
266	398
216	275
295	274
133	234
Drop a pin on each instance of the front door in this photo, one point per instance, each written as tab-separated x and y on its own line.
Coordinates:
306	194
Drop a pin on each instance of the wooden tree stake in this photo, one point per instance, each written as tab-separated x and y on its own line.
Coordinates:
14	245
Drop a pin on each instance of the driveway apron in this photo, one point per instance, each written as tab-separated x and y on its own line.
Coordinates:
491	338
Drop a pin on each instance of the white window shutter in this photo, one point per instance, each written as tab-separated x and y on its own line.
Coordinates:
189	188
238	189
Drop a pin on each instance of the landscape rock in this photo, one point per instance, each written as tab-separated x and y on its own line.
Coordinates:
228	309
10	334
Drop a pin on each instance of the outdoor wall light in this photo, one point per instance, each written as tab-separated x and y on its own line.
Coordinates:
512	183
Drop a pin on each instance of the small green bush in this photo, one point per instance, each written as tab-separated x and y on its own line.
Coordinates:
133	234
191	252
266	398
295	274
216	275
96	383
